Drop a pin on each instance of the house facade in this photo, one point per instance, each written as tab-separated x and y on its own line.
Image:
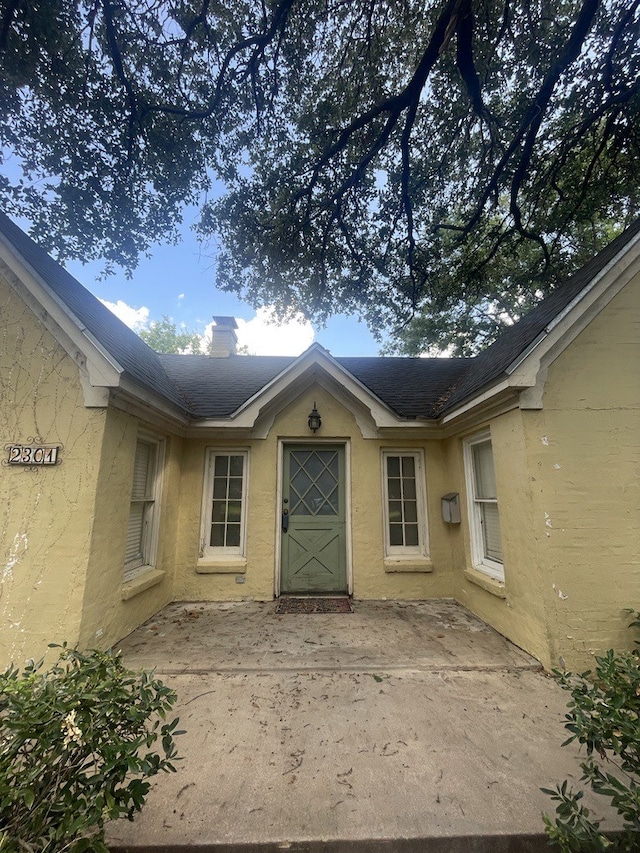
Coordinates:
509	482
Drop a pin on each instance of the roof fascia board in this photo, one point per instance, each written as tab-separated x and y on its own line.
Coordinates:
139	396
616	265
479	402
609	275
102	369
531	373
133	402
527	372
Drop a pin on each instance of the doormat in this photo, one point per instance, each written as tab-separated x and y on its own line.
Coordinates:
334	604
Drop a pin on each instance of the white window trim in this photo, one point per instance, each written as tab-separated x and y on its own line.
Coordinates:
210	552
152	531
422	548
479	561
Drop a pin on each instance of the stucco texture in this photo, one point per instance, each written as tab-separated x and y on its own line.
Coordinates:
46	515
568	481
106	615
584	451
370	578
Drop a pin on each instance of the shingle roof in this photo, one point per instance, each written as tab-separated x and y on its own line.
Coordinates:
216	387
493	362
206	387
139	361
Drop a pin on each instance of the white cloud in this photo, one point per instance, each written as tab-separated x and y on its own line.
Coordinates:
263	336
181	297
134	318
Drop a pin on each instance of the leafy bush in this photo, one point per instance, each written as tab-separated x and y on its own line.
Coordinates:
604	715
76	747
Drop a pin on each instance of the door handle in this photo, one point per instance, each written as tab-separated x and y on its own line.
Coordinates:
285	520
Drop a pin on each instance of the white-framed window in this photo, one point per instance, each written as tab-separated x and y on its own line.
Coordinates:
224	514
484	516
405	515
144	511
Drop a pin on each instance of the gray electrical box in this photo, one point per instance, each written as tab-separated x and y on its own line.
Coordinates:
451	508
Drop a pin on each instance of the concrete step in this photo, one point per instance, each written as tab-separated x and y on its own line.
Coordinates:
453	844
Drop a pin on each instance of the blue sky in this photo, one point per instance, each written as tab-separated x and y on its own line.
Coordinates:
179	281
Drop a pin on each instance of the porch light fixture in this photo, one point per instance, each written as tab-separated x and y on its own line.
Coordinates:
314	420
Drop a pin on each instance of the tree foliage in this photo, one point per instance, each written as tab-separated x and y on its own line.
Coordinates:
163	336
434	165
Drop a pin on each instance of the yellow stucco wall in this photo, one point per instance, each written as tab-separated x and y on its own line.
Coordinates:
370	579
46	515
106	616
519	615
568	480
584	451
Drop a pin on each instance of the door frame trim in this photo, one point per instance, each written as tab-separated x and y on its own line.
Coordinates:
319	442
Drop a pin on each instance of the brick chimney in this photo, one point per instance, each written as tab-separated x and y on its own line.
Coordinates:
223	337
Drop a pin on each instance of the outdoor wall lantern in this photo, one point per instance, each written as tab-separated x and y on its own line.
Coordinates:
451	508
314	421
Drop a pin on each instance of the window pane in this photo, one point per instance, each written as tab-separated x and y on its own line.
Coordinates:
234	511
218	512
409	489
235	466
394	489
235	488
221	466
393	466
408	466
141	470
410	511
491	531
217	535
395	511
220	487
411	534
395	534
134	533
233	536
485	479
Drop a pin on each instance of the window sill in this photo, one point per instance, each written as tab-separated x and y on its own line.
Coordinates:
223	566
406	564
145	580
489	584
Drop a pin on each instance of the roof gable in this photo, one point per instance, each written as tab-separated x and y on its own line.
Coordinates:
138	361
494	362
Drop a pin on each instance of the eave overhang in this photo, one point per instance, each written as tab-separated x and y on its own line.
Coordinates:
521	385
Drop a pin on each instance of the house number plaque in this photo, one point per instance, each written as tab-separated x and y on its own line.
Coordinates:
33	454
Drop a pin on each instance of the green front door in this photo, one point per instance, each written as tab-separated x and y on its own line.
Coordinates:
314	552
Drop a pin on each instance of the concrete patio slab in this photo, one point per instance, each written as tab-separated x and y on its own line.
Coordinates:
403	726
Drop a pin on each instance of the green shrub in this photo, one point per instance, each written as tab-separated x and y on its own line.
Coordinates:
77	744
604	715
